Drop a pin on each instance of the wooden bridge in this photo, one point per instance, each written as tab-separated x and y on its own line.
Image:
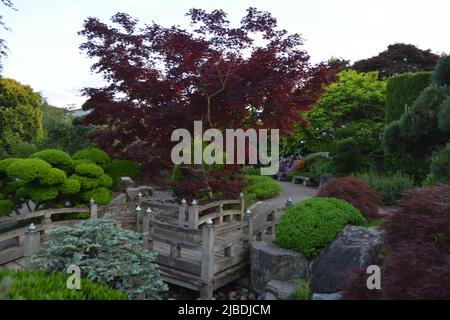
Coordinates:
200	247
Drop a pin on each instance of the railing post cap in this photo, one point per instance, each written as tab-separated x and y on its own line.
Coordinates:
139	195
138	208
148	211
289	202
183	202
194	202
92	201
31	227
241	195
248	211
210	222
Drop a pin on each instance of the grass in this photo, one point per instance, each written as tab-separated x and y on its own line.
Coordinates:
302	288
260	188
376	222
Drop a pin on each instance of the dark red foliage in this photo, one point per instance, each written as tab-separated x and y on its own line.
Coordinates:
354	191
417	265
160	79
397	59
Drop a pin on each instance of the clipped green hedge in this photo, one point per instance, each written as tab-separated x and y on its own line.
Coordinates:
403	90
260	188
310	225
39	285
6	207
122	168
57	158
89	170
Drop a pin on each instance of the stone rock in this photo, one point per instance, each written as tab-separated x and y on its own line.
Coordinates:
355	247
120	199
327	296
270	262
146	191
269	296
125	183
283	290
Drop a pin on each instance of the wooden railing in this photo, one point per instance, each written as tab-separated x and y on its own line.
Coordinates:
194	216
25	241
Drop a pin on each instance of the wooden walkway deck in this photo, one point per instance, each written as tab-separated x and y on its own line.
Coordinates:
203	248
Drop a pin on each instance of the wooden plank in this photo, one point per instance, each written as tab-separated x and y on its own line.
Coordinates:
230	262
230	275
179	264
217	204
11	254
230	226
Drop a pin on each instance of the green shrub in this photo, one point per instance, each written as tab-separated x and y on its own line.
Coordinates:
89	170
42	194
440	166
28	169
444	116
6	207
312	224
94	154
22	149
389	187
402	91
53	176
441	74
4	164
70	186
107	254
57	158
302	289
315	169
105	181
100	195
260	188
76	163
122	168
39	285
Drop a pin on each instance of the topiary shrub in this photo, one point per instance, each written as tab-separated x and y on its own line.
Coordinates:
100	195
70	186
312	224
57	158
98	156
6	207
40	285
418	239
390	187
356	192
89	170
106	254
440	166
402	91
28	169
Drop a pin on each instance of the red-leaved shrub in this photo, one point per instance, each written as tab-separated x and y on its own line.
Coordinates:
354	191
418	239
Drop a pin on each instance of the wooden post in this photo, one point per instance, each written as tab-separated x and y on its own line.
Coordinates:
48	218
175	251
207	267
93	210
151	230
146	228
221	214
249	219
242	199
182	214
32	244
230	251
193	215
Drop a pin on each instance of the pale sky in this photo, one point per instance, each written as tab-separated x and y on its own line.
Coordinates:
43	44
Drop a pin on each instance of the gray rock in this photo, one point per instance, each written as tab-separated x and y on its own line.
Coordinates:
269	296
146	191
283	290
270	262
355	247
327	296
125	183
120	199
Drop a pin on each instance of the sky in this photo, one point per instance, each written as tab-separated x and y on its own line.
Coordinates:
44	44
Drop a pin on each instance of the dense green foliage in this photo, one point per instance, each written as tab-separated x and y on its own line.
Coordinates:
390	187
440	166
98	156
40	285
122	168
20	115
58	159
312	224
107	254
402	91
315	168
441	74
260	188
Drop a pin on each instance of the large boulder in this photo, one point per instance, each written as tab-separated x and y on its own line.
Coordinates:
355	247
283	290
269	262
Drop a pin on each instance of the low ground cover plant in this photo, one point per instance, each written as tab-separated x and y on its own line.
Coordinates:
310	225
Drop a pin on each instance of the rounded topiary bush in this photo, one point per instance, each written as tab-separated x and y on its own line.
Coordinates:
53	176
40	285
28	169
122	168
89	170
312	224
57	158
356	192
101	195
4	164
70	186
94	154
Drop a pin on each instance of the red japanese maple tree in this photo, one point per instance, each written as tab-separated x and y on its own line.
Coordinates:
161	79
